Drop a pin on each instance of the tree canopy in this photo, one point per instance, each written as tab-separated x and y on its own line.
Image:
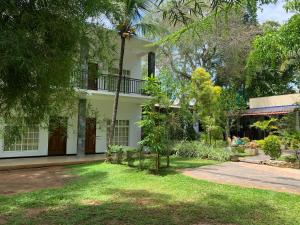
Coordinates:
273	63
39	43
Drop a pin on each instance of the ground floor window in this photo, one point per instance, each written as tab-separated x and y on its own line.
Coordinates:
121	133
28	141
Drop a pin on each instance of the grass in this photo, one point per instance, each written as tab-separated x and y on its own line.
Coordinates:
116	194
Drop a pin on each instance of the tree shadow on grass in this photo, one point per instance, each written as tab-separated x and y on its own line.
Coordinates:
50	197
144	207
176	164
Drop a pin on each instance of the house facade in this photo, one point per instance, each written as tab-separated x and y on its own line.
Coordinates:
84	132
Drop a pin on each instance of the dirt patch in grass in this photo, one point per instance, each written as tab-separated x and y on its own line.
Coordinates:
34	212
27	180
212	223
114	222
3	221
145	201
91	202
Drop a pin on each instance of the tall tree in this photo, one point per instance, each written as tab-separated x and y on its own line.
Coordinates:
273	63
127	23
39	43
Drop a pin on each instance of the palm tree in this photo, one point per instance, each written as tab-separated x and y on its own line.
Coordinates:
127	23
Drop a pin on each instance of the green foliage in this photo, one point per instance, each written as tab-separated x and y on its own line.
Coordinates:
260	143
292	5
290	158
157	121
245	140
290	138
39	57
272	146
119	154
273	64
118	151
196	149
213	131
238	149
266	125
205	93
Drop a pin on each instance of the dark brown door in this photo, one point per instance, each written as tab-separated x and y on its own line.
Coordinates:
57	140
92	76
90	136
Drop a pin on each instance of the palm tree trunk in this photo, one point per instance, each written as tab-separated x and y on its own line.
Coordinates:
116	100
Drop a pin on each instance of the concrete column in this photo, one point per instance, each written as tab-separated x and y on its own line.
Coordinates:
151	64
81	127
84	52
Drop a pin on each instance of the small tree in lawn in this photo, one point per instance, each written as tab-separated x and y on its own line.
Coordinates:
154	120
207	96
213	131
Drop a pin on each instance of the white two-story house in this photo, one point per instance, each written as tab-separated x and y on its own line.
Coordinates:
83	133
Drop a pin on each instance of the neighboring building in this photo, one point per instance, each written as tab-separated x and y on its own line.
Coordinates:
264	107
67	136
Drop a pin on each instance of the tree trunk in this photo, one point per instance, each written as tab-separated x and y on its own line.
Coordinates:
116	100
157	162
168	158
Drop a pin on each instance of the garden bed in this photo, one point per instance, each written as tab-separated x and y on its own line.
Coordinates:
282	164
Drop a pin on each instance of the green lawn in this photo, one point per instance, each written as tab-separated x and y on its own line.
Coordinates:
116	194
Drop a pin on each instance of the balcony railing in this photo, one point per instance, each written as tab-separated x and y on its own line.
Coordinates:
108	82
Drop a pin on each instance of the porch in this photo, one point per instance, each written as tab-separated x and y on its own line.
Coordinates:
35	162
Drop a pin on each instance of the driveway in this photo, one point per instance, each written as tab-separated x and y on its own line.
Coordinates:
249	175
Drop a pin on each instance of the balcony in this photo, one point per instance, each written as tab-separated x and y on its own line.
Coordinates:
108	82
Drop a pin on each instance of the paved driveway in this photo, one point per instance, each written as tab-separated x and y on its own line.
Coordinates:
249	175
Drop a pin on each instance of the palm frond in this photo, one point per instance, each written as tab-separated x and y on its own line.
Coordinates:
148	28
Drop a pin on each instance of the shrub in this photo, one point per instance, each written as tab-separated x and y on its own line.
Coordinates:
197	149
290	158
271	146
245	140
130	152
260	143
220	143
238	149
186	149
118	150
219	154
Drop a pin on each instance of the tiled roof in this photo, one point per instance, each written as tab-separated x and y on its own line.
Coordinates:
274	110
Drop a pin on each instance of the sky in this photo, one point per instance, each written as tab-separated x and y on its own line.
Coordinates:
274	12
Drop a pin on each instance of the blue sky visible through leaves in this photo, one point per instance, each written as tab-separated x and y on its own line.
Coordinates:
274	12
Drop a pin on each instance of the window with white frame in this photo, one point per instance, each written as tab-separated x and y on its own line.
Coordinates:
28	141
121	133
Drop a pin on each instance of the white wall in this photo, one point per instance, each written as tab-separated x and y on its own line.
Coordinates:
278	100
127	111
134	64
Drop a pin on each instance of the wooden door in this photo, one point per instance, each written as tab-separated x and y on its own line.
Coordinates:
90	136
92	76
57	140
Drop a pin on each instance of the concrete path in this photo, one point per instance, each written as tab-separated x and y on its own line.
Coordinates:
249	175
35	162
